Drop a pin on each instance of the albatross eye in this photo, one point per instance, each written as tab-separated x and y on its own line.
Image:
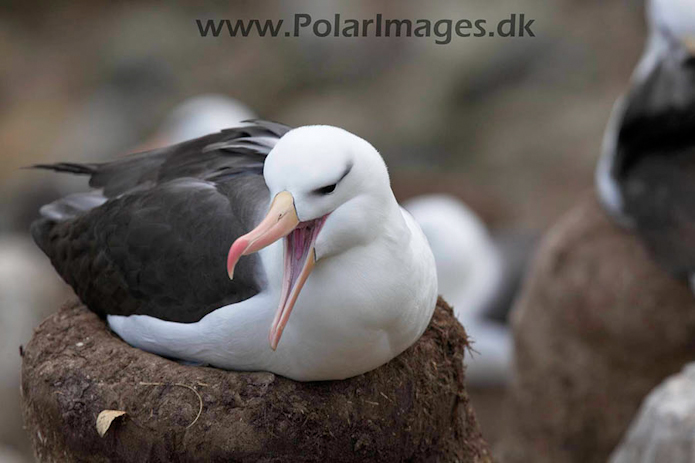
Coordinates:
326	190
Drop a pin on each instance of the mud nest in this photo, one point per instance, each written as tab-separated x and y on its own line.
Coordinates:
598	325
415	408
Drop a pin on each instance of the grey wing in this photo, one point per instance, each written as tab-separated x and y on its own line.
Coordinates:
154	240
160	252
233	151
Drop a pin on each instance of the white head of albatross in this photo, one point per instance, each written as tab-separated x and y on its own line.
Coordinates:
348	280
314	173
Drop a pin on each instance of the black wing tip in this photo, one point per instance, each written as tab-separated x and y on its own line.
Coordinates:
66	167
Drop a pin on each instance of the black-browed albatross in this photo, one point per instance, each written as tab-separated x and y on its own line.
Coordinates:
151	247
646	174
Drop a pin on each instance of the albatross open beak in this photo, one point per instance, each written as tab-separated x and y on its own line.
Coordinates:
300	257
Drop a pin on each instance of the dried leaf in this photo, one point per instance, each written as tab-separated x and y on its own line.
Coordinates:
105	419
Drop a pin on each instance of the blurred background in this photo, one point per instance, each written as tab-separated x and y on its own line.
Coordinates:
512	126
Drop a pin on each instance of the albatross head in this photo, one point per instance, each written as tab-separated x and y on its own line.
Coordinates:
330	192
664	76
659	102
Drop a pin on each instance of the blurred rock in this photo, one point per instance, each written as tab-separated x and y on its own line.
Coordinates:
597	326
664	429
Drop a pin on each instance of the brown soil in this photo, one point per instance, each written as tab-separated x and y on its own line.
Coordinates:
415	408
597	326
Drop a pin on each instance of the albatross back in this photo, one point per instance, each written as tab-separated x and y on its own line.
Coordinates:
153	236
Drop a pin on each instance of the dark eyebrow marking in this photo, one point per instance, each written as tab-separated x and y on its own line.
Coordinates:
328	189
347	171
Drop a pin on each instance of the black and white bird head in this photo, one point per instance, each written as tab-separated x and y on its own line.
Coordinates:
313	173
665	76
659	106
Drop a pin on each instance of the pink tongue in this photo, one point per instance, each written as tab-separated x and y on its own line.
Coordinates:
298	263
299	243
297	247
